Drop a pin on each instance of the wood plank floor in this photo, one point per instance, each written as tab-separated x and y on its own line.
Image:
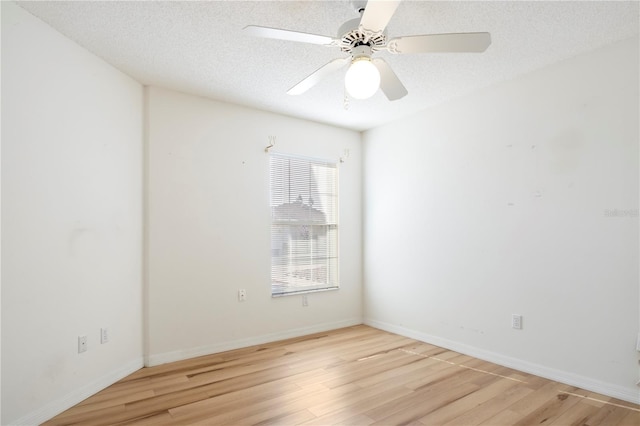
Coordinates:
352	376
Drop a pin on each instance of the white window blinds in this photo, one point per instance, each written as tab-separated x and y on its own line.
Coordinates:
304	225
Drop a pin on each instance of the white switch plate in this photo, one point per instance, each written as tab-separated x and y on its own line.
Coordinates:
638	343
242	295
104	335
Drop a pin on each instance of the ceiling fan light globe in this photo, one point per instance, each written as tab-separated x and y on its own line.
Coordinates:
362	79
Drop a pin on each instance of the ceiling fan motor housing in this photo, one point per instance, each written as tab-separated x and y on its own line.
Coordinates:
351	36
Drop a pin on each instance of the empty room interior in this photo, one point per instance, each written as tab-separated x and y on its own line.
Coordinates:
209	186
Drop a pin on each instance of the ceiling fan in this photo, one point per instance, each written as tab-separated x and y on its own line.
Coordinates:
361	38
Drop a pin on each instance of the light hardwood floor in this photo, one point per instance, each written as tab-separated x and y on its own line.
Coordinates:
357	376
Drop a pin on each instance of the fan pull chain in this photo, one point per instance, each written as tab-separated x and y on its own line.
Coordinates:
346	100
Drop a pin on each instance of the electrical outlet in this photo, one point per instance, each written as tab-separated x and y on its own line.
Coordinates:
242	295
516	322
305	301
82	344
104	335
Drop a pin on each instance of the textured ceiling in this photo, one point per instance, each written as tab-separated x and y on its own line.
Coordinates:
200	48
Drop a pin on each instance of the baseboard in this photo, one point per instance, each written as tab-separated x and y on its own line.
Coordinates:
614	391
163	358
67	401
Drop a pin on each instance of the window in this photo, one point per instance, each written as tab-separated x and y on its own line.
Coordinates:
304	225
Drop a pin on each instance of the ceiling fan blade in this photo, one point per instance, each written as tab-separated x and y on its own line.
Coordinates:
318	75
438	43
377	14
289	35
390	84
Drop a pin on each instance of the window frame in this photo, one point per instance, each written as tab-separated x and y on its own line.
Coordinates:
291	229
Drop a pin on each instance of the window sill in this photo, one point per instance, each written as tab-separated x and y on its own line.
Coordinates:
296	293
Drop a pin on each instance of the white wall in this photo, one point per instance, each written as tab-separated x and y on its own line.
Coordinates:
208	227
497	204
0	231
72	142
